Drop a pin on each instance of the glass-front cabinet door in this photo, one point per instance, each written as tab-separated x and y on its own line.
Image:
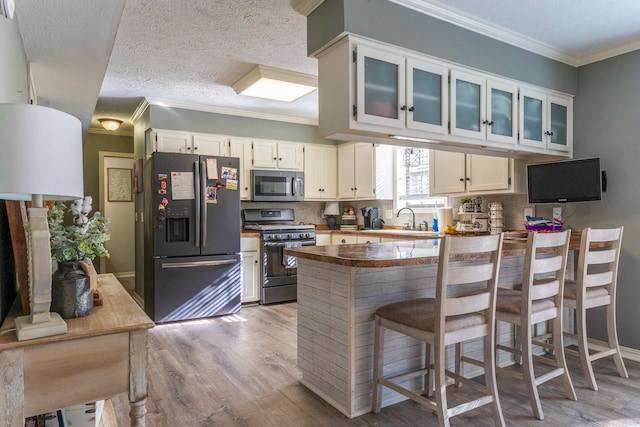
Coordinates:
560	123
533	118
468	95
427	96
502	105
380	89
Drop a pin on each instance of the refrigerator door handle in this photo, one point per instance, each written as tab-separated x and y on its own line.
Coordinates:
197	263
203	203
196	167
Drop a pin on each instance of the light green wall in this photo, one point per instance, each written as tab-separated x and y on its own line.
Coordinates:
200	121
606	125
400	26
93	144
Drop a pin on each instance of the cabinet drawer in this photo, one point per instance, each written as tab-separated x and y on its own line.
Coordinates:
249	244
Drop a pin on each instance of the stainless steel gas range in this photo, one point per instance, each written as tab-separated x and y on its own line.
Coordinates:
278	231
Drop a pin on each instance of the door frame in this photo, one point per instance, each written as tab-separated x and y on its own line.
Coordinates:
101	178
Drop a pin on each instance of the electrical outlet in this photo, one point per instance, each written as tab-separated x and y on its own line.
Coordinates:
557	214
528	212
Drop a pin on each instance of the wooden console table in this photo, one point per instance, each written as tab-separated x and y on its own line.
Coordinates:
101	355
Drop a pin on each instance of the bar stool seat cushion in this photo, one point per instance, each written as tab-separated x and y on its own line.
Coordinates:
510	301
420	314
571	291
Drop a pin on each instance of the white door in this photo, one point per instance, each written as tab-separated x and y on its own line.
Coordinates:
117	204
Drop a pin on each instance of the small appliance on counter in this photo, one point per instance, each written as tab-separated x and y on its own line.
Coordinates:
370	214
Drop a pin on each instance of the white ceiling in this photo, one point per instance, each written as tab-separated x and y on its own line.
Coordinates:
187	53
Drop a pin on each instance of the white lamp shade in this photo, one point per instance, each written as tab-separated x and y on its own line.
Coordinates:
331	208
41	153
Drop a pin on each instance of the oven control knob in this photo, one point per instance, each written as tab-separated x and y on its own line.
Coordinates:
289	236
278	237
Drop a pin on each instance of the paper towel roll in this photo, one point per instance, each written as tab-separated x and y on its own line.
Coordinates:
445	217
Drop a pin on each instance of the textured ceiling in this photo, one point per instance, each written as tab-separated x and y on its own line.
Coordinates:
189	52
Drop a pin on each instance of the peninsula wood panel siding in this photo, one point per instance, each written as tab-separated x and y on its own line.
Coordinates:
336	307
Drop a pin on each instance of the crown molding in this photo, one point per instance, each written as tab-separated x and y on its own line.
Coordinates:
228	111
305	7
486	29
609	53
142	107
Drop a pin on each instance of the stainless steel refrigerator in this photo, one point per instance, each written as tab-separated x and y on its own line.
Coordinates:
192	236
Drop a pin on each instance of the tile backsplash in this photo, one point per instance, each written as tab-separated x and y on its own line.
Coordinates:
312	212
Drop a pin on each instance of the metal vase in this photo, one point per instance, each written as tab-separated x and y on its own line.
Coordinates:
71	294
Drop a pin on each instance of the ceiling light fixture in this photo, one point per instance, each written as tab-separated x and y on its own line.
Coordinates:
274	83
110	124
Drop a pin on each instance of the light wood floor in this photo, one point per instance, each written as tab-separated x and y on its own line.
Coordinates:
241	371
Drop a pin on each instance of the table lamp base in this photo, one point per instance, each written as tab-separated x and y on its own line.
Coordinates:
26	330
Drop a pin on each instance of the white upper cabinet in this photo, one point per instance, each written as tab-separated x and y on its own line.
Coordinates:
365	171
241	148
210	145
168	141
399	91
320	172
277	155
546	120
459	173
370	92
483	108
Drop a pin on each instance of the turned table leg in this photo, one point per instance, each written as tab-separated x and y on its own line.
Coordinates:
138	354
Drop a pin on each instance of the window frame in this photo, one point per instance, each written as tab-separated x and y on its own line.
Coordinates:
399	185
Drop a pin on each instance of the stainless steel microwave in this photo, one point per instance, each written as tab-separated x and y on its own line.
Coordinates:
277	186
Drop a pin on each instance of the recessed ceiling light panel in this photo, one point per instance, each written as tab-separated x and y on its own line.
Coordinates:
276	84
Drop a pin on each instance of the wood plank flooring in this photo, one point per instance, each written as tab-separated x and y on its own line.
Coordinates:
240	370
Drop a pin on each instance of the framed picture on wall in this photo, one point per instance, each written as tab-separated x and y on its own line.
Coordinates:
119	185
137	176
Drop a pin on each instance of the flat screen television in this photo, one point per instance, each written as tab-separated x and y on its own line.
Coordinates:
565	181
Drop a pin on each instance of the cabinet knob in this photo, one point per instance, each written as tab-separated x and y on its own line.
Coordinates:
280	158
343	241
412	108
403	108
467	178
275	158
461	179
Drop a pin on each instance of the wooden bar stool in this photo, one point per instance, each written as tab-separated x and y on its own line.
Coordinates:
538	300
595	286
465	263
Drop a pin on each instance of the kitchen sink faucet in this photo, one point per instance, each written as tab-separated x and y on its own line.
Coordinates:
412	213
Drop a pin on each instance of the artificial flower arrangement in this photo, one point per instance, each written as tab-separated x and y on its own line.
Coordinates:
83	239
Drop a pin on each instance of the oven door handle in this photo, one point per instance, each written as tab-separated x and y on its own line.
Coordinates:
197	264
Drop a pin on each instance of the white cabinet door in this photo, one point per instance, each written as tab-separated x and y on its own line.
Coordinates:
365	178
210	145
532	118
468	104
265	154
380	79
320	172
241	148
502	111
346	174
290	155
560	123
427	96
172	141
447	172
249	250
487	173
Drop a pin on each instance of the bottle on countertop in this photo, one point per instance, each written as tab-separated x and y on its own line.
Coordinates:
434	224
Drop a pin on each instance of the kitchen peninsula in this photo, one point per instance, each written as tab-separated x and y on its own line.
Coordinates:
339	289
